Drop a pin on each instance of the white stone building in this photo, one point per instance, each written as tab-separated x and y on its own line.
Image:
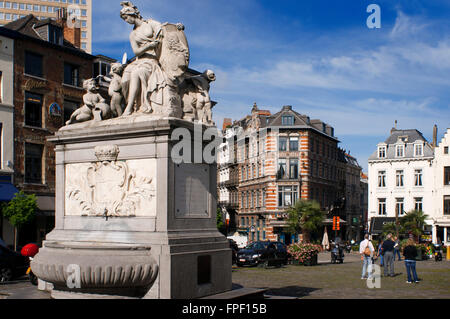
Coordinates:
440	213
401	178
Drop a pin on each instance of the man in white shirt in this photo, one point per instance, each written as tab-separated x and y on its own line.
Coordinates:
366	250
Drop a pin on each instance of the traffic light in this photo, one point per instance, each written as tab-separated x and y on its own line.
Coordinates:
336	223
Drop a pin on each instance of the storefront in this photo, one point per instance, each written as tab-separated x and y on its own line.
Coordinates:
377	224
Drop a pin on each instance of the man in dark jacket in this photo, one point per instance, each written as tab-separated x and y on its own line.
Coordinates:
388	256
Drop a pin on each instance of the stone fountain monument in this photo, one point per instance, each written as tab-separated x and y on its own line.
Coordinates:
131	222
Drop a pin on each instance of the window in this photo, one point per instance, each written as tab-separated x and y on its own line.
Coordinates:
293	144
71	74
382	152
446	176
69	108
33	64
400	207
382	206
282	170
33	109
287	120
282	144
293	169
418	150
418	204
287	196
264	198
400	151
33	163
446	150
418	178
446	205
399	179
382	179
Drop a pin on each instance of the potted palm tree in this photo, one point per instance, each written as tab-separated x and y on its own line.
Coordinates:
306	217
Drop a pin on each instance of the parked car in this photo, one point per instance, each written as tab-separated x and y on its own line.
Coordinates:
12	264
263	253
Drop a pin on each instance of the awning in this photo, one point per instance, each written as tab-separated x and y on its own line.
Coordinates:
7	192
377	224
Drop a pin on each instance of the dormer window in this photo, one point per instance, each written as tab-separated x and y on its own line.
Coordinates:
287	120
400	151
418	150
382	152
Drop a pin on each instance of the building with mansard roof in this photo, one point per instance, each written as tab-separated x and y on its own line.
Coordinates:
400	178
279	159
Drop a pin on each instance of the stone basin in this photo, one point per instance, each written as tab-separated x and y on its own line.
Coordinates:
96	269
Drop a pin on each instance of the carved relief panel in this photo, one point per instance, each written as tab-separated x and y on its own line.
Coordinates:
111	188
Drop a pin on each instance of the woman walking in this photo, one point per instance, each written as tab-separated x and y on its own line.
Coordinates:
410	253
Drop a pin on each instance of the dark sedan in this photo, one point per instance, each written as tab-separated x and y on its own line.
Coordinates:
263	253
12	265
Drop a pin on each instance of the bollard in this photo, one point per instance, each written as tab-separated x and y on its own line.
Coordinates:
448	252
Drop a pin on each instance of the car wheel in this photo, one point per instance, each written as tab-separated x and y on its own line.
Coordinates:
6	274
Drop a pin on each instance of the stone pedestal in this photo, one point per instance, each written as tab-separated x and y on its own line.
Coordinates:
129	221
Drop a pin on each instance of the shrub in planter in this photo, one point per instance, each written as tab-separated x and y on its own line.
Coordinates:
304	254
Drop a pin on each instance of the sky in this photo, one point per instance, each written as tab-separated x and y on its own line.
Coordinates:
317	55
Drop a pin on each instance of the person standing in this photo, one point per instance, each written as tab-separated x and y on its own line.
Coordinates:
410	253
366	251
388	256
397	249
380	252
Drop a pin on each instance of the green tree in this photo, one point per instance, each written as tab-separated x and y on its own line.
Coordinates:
20	211
220	222
390	228
306	217
414	223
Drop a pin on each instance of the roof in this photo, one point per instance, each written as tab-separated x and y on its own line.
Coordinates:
408	138
276	120
24	28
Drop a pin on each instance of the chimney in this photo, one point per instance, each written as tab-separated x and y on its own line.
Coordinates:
435	133
394	128
71	29
227	123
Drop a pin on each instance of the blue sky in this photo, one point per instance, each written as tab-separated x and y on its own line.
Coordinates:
317	55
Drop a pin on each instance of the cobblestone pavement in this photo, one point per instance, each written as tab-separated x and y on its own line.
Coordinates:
343	281
21	289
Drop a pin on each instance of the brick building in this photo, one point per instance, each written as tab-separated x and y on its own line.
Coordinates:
281	158
48	75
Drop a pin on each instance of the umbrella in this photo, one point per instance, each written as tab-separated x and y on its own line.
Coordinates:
325	241
30	250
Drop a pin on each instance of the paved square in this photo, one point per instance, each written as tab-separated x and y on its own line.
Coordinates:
342	281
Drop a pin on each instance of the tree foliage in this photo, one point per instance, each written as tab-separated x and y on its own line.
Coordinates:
412	223
21	209
307	217
221	226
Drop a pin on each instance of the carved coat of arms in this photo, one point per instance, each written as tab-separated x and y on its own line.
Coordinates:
112	187
174	54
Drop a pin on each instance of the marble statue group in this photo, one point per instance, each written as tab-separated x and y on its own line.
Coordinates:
156	81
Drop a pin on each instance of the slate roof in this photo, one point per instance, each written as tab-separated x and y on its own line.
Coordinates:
276	120
24	28
412	137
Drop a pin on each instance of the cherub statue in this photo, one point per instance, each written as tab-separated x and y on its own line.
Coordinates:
115	89
202	98
94	105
